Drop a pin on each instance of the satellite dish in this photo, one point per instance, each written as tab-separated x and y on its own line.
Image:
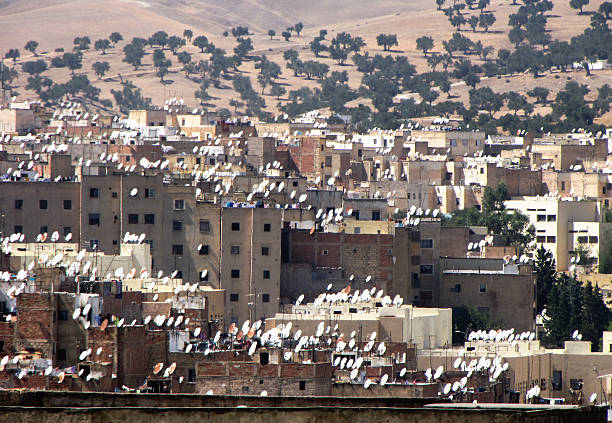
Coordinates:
384	378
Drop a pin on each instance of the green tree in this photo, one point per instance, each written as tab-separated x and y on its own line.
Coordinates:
7	75
73	61
286	35
486	21
386	41
473	22
240	31
102	45
202	93
578	4
134	52
271	33
466	319
34	67
31	46
278	91
298	27
12	54
540	94
201	42
440	3
100	68
486	99
130	98
82	43
174	43
188	34
606	9
115	37
546	276
160	38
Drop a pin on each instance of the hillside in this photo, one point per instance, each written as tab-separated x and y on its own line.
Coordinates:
55	23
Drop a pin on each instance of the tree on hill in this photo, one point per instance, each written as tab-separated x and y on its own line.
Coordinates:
133	54
387	41
483	4
202	93
115	37
82	43
278	91
130	98
271	33
12	54
102	45
317	47
31	46
606	9
286	35
34	67
457	21
298	27
160	38
73	61
424	44
440	3
244	47
188	34
486	21
240	31
578	4
174	43
473	22
100	68
183	57
7	75
201	42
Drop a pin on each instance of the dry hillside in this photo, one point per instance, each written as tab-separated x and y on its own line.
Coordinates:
54	23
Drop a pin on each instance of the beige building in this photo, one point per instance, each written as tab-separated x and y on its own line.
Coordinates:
425	327
564	225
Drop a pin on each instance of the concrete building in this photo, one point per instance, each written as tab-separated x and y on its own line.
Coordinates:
564	225
425	327
505	292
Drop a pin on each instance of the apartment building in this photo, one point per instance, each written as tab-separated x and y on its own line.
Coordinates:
564	225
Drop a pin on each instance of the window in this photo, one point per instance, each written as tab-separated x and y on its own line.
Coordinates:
67	230
265	251
266	274
557	380
93	244
18	229
541	218
328	161
179	274
482	170
267	227
114	194
302	385
295	184
551	218
245	389
43	230
18	204
94	193
234	298
483	287
61	354
149	193
177	249
235	273
204	226
67	204
235	249
62	315
133	219
357	230
265	298
150	242
356	214
562	185
456	288
583	239
43	204
325	252
540	239
427	243
149	219
551	239
235	226
593	240
94	219
203	277
375	214
427	268
179	204
191	375
177	225
204	250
